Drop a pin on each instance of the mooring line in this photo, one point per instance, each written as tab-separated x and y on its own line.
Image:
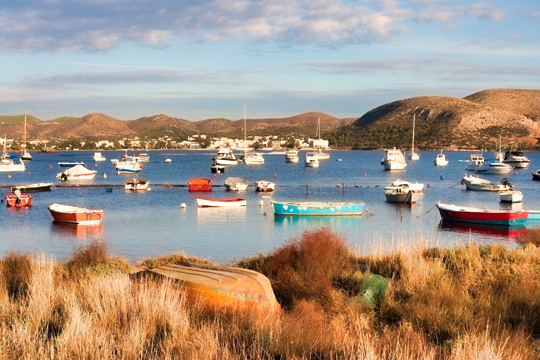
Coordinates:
427	211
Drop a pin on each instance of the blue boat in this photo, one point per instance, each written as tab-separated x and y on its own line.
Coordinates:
318	208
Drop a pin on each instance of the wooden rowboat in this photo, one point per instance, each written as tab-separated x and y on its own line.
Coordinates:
200	185
75	215
12	200
202	202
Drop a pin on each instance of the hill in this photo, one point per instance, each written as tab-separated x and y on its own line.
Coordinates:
526	102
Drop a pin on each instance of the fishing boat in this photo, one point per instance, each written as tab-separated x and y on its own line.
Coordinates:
167	160
137	185
320	154
493	168
312	160
98	157
535	174
413	155
236	184
414	187
264	186
225	156
33	187
506	217
476	183
318	208
221	286
70	163
291	156
440	160
516	159
393	160
200	185
217	169
475	161
250	157
143	157
75	215
78	172
511	196
25	155
18	200
401	195
202	202
127	167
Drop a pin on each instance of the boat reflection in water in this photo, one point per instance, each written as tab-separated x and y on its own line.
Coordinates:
216	215
83	232
495	231
310	222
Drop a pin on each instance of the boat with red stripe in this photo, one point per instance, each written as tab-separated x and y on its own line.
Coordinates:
506	217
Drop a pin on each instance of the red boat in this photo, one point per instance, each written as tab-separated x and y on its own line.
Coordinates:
483	216
200	185
18	201
75	215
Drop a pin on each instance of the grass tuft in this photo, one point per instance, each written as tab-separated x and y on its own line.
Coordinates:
17	273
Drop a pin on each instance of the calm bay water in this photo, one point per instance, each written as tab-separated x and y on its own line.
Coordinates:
149	224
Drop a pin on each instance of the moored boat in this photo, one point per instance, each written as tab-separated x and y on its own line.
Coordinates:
506	217
202	202
217	169
493	168
393	160
143	157
75	215
98	157
253	158
318	208
414	187
70	163
33	187
535	174
264	186
312	160
78	172
440	160
127	167
137	185
511	196
200	185
236	184
401	195
18	200
475	161
476	183
516	159
225	156
167	160
291	156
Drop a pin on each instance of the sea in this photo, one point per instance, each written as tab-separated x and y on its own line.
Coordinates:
166	219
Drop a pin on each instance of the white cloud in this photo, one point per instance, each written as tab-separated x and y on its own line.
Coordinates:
445	14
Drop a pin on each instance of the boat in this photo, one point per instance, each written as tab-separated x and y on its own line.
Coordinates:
221	286
393	160
440	160
18	200
312	160
25	155
516	159
167	160
202	202
33	187
98	157
401	195
70	163
217	169
75	215
264	186
413	155
236	184
137	185
200	185
143	157
318	208
535	174
225	156
127	167
250	157
506	217
511	196
414	187
475	161
493	168
321	155
476	183
291	156
7	164
78	172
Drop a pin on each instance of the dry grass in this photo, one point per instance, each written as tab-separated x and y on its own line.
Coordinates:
470	302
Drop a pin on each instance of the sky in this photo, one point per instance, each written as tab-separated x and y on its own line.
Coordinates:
201	59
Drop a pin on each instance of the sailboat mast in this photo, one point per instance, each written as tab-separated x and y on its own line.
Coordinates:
24	142
245	130
413	123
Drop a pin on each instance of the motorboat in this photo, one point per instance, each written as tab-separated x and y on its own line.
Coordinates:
516	159
264	186
77	172
98	157
476	183
393	160
511	196
318	208
440	160
493	168
33	187
18	200
70	163
75	215
402	195
143	157
202	202
217	169
137	185
127	166
167	160
253	158
414	187
475	161
200	185
535	174
312	160
506	217
236	184
225	156
291	156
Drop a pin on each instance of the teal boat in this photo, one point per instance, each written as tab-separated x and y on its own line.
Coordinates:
318	208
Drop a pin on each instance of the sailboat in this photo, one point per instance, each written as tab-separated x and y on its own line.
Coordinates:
320	154
7	164
413	155
250	157
26	155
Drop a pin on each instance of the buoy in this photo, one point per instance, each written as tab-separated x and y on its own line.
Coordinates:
275	175
338	185
215	175
365	175
142	165
261	203
442	177
104	175
9	176
29	173
516	173
50	166
109	189
183	205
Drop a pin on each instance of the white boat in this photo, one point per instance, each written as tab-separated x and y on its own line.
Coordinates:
493	168
25	155
393	160
476	183
264	186
225	156
413	155
137	185
414	187
7	164
402	195
511	196
143	158
235	184
250	157
202	202
312	160
167	160
77	172
440	160
321	155
291	156
474	162
98	157
516	159
127	167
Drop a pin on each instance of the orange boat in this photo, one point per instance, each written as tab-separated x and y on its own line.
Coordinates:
18	201
200	185
75	215
222	286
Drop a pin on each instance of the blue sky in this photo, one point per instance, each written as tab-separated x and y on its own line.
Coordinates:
201	59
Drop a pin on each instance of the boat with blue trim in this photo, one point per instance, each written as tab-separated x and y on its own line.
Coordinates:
318	208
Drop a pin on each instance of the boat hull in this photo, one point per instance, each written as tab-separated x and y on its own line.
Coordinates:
393	165
75	215
317	209
23	200
202	202
483	216
511	196
33	187
200	185
136	185
397	197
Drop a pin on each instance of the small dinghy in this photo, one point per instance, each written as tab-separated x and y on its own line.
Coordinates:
75	215
137	185
202	202
18	200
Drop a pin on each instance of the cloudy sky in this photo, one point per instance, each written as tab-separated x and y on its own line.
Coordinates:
197	59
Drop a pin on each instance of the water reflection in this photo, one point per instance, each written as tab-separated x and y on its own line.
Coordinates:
215	215
81	232
343	222
493	231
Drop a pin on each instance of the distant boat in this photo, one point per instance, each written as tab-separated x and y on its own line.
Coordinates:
202	202
77	172
98	157
320	154
250	157
474	162
475	183
127	166
413	155
33	187
535	174
291	156
217	169
318	208
137	185
200	185
70	163
236	184
7	164
505	217
167	160
312	160
143	157
493	168
264	186
414	187
440	160
225	156
511	196
393	160
401	195
75	215
516	159
26	155
18	200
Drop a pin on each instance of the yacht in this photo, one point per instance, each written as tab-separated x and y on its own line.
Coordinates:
516	159
474	162
98	157
225	156
253	158
440	160
494	168
312	160
393	160
291	156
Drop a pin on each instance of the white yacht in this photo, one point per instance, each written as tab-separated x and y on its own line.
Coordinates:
494	168
291	156
253	158
516	159
312	160
440	160
225	156
474	162
393	160
98	157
